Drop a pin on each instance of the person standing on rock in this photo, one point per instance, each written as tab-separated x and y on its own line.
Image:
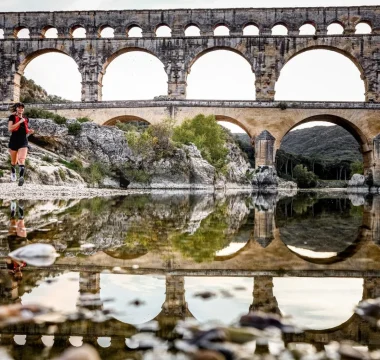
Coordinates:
18	144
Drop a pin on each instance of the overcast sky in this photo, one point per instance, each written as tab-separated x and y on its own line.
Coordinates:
314	75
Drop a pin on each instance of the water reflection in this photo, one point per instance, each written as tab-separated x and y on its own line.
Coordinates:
148	258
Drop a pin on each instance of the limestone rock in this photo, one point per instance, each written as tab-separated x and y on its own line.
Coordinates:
357	180
265	178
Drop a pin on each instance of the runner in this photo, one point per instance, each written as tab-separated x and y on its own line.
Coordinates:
18	144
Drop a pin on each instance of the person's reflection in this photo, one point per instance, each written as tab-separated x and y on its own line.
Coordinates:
17	237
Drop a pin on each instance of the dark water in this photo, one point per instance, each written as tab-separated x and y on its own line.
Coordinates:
311	257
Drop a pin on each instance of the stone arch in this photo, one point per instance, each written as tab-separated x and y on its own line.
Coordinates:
320	46
19	28
232	121
239	252
353	129
280	23
332	22
107	61
192	59
343	255
311	23
76	26
250	23
221	23
131	26
366	22
20	67
163	24
124	118
193	23
101	28
46	28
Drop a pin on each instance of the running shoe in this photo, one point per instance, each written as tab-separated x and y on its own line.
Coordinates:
13	206
21	181
13	176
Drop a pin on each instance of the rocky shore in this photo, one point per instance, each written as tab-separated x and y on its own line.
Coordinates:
100	157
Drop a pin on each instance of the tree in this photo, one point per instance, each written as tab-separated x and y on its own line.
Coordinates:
303	177
356	168
209	137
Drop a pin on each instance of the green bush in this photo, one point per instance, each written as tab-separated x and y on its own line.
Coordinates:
154	142
95	173
75	164
303	177
74	128
83	119
62	174
208	137
356	168
1	173
37	113
48	159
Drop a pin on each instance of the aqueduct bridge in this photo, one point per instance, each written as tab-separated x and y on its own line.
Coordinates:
265	120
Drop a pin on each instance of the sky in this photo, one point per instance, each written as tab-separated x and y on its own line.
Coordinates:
314	75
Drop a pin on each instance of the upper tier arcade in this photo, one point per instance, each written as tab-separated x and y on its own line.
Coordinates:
266	53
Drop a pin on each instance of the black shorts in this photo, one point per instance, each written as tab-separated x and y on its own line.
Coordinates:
17	145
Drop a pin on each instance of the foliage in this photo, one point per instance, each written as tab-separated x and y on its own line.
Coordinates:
62	174
209	238
74	128
208	137
37	113
131	126
283	105
75	164
33	93
154	142
48	159
1	173
95	173
83	119
303	177
136	175
356	168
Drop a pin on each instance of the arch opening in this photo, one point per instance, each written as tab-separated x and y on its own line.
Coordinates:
221	30
107	32
131	120
210	80
251	30
1	33
331	153
321	74
58	86
363	28
318	304
22	33
104	342
307	29
50	33
78	32
279	30
192	30
163	31
335	29
135	31
133	74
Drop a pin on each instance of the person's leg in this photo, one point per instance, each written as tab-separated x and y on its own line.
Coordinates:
14	159
22	153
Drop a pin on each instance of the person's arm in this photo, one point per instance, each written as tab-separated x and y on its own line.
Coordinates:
12	126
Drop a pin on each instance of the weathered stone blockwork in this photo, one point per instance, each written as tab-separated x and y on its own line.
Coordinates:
266	54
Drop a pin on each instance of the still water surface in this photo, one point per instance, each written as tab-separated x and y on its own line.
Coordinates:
311	256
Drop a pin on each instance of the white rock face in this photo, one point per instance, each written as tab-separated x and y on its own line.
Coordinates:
357	180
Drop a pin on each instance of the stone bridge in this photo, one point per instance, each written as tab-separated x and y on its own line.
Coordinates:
266	54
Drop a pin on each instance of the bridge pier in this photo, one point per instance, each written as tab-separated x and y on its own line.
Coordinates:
263	298
264	219
376	161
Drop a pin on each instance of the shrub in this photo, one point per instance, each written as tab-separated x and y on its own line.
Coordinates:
62	174
356	168
37	113
83	119
75	164
303	177
155	141
48	159
95	173
208	137
283	105
137	175
1	173
74	128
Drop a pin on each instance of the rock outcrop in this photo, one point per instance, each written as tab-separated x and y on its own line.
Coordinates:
55	147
